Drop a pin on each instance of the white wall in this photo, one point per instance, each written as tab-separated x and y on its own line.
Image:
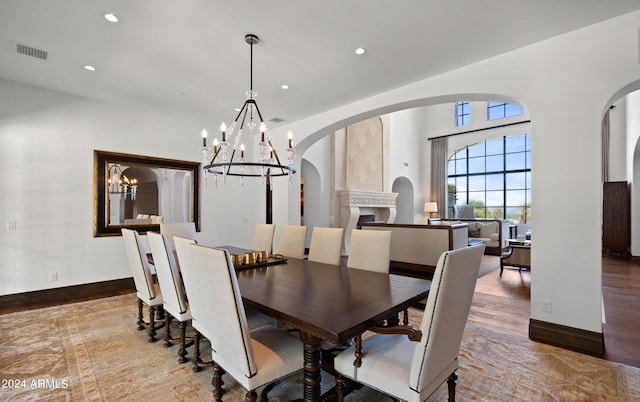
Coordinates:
409	155
47	141
632	118
317	196
590	65
619	168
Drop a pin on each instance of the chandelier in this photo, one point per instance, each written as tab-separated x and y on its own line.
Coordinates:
119	183
227	157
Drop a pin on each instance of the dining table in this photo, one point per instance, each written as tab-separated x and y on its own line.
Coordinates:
327	303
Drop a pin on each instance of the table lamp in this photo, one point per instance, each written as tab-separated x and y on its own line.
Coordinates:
431	208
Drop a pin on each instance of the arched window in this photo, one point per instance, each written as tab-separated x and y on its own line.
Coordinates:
494	175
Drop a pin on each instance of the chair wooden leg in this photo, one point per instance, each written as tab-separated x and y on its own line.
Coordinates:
251	396
183	350
152	324
196	351
340	387
216	381
140	321
167	329
451	382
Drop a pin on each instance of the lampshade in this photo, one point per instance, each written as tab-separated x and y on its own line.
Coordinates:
430	207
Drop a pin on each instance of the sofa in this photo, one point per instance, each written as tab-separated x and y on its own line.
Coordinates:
415	249
493	232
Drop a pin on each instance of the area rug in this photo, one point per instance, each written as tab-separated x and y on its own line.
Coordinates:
91	351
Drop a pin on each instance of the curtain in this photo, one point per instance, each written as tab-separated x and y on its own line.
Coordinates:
439	173
605	146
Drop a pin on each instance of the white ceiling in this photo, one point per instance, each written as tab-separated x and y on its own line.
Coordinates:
189	59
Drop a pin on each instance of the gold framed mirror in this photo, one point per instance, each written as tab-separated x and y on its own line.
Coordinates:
140	192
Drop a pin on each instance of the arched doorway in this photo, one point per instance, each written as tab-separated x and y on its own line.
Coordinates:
405	200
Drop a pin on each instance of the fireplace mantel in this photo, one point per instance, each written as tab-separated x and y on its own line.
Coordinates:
353	203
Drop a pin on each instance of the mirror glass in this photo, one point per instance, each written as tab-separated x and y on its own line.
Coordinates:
141	192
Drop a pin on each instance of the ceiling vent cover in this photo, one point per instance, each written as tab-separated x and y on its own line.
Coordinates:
31	51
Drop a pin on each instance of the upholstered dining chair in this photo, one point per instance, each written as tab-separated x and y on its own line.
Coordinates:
289	241
255	319
146	290
180	229
326	245
173	295
263	237
253	358
411	371
369	250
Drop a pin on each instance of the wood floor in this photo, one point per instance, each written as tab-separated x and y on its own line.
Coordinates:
503	305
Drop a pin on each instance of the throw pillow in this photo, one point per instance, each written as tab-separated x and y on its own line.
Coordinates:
487	229
474	232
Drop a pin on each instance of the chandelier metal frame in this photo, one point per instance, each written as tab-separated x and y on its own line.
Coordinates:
269	164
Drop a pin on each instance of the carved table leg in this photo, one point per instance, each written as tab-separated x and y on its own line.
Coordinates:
311	367
393	321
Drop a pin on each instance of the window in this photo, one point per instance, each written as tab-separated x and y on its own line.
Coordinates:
462	113
495	176
500	110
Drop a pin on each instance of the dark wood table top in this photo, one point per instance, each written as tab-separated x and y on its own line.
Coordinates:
326	301
239	251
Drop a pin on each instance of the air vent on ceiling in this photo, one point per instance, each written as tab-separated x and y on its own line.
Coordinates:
276	120
31	51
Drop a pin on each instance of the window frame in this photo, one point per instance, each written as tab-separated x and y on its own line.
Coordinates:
464	175
460	117
502	108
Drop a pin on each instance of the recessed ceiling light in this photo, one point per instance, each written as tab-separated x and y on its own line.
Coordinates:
89	68
284	86
111	17
361	50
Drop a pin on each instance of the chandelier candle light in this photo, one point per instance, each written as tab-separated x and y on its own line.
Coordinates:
217	160
119	183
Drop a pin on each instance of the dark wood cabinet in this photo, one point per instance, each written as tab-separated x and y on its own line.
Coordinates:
616	217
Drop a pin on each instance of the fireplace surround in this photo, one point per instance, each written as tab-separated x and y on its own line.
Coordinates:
354	203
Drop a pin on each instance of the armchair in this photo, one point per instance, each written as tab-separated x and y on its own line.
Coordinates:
253	358
146	290
517	256
290	241
393	364
170	281
263	237
326	245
